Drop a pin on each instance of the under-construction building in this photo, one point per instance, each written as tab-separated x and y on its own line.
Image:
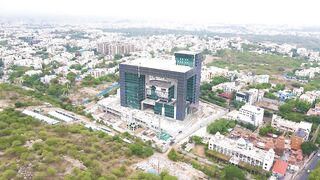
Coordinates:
167	87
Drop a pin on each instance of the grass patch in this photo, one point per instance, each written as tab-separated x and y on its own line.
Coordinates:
257	63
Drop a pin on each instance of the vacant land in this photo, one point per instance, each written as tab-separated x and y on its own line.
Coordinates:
9	97
33	150
257	63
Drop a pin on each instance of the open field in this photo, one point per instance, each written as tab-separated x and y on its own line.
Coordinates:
33	150
257	63
8	98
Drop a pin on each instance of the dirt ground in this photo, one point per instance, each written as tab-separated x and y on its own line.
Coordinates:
199	150
210	59
8	99
87	92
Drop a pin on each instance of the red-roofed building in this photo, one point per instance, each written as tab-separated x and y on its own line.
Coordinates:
225	95
279	168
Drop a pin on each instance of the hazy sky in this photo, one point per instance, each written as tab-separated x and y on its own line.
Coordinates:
292	12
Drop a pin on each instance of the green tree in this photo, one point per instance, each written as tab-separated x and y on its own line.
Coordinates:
308	147
196	139
314	175
231	172
220	125
71	77
173	155
166	176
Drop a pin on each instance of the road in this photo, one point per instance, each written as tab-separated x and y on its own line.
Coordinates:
204	122
303	174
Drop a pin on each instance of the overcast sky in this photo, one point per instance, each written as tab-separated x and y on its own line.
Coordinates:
291	12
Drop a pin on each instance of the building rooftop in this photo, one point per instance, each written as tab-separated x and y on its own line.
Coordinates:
239	145
161	64
187	52
305	125
252	108
280	167
40	117
301	133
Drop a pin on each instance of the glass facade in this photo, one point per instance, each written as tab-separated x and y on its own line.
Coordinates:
184	60
134	89
191	89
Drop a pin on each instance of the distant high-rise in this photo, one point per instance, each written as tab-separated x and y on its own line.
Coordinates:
168	87
112	49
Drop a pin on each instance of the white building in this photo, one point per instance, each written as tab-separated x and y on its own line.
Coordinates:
242	150
283	124
250	96
301	129
251	114
33	72
227	87
47	78
310	96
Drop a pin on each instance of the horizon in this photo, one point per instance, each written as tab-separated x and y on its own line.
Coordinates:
296	13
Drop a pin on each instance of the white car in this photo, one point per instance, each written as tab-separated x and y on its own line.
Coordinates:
308	171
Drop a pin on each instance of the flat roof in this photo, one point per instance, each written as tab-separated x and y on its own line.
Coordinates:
40	117
60	116
161	64
186	52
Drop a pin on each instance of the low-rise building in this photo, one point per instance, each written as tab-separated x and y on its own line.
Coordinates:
284	95
250	96
47	78
301	129
251	114
227	87
242	150
283	124
310	96
314	111
279	168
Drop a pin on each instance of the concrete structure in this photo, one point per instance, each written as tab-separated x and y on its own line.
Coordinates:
242	150
314	111
169	87
283	124
40	117
301	129
250	96
251	114
115	48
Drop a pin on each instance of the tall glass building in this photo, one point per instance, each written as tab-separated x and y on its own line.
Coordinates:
166	87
